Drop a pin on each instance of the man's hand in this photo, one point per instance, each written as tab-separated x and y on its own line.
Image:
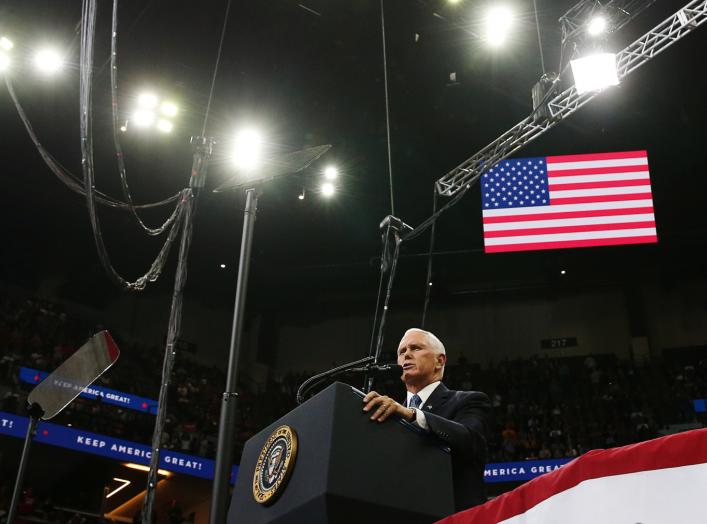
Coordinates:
383	407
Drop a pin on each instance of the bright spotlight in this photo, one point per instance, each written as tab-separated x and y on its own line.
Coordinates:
4	62
330	173
6	43
498	23
248	149
328	189
48	61
597	26
168	109
147	100
595	72
143	118
165	125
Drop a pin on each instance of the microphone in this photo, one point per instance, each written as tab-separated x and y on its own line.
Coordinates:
378	368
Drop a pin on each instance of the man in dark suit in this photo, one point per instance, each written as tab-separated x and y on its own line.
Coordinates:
459	418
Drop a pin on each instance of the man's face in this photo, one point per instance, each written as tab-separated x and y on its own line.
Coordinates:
421	366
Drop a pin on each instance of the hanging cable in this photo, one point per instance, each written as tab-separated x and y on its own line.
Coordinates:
387	111
88	24
116	133
62	173
428	283
218	60
431	220
174	329
540	42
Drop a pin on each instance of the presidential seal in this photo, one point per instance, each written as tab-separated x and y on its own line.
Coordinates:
275	465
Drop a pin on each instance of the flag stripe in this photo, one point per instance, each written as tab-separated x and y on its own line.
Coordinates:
596	184
598	177
560	237
569	214
559	222
597	156
599	198
621	207
600	191
572	243
565	166
570	229
639	168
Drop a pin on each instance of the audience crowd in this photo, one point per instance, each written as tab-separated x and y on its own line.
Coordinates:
543	407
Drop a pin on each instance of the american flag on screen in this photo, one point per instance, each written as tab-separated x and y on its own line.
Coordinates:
556	202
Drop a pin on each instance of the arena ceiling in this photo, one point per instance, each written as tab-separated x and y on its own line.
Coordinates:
310	72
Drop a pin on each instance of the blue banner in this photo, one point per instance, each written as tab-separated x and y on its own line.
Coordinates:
700	405
124	450
521	471
109	447
105	395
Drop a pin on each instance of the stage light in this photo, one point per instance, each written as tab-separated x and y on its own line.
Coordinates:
48	61
248	149
330	173
140	467
597	26
168	109
143	118
328	189
563	272
301	195
498	22
222	266
124	127
595	72
147	100
4	62
165	125
6	43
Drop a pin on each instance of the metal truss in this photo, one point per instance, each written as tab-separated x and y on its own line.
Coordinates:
618	13
658	39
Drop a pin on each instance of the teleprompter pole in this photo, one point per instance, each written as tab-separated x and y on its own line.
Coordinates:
227	422
35	412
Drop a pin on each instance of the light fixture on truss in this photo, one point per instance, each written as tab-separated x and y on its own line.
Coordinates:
670	31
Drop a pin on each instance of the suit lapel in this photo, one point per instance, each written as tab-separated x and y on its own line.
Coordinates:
436	399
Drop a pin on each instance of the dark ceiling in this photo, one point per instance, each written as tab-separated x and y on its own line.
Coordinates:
310	72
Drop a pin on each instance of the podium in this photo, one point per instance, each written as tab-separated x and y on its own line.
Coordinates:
348	469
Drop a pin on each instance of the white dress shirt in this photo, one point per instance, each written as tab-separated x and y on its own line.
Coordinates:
424	394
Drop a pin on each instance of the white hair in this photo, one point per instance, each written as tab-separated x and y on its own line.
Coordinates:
434	343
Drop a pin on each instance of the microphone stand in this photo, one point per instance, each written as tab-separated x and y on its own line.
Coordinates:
316	379
393	229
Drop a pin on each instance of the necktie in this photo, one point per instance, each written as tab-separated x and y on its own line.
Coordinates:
415	401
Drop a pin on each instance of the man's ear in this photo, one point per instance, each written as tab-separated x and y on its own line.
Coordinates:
441	360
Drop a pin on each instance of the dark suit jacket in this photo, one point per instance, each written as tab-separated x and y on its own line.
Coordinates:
461	419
